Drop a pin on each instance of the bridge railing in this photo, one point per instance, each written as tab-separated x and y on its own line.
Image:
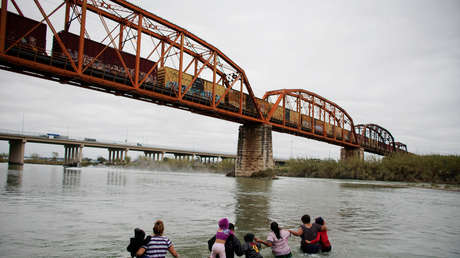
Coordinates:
58	136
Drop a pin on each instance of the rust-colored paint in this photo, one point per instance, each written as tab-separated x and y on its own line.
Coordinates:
138	51
3	25
82	36
17	8
207	56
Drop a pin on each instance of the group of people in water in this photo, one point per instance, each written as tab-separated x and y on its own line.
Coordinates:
224	244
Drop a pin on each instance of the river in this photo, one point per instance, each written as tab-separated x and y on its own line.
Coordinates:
49	211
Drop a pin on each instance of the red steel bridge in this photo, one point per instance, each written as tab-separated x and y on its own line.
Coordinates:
119	48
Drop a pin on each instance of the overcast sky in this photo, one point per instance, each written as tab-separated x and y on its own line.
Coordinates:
392	63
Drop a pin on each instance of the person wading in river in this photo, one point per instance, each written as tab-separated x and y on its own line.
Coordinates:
232	244
308	231
277	239
221	236
322	237
159	245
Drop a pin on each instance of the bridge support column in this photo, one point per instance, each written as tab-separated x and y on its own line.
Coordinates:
117	155
255	151
73	155
349	153
16	156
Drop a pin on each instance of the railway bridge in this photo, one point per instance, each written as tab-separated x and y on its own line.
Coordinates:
127	51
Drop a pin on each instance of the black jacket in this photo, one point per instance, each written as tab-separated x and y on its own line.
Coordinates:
232	246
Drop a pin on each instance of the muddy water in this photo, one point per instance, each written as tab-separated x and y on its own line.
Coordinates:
46	211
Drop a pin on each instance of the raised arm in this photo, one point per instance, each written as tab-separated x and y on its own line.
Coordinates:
323	227
299	232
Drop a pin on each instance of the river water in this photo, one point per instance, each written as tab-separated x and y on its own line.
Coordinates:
48	211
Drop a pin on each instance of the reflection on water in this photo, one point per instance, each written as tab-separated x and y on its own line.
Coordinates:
14	180
71	177
252	204
116	178
95	214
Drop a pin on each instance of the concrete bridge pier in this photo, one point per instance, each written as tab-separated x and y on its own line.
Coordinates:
16	155
117	155
155	156
73	155
350	153
255	151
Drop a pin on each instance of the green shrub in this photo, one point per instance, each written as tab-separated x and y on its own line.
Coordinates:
435	169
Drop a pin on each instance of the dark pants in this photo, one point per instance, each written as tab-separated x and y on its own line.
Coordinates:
311	248
325	249
284	256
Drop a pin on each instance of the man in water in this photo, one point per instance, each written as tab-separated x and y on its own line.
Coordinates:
232	244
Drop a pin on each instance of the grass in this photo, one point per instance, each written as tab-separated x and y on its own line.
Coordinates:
434	169
224	166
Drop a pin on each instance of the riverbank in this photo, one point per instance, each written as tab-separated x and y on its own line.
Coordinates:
225	166
428	169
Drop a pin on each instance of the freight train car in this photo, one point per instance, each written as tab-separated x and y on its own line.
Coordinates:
168	78
108	62
17	26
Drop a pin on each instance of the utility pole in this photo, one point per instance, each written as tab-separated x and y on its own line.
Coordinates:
22	127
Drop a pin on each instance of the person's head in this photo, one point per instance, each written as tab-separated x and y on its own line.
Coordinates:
223	223
158	228
274	227
231	226
249	237
139	234
319	221
305	219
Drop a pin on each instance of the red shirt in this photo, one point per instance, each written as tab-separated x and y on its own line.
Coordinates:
322	236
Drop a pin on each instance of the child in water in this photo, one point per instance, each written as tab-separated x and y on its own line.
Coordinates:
321	237
137	241
221	236
250	248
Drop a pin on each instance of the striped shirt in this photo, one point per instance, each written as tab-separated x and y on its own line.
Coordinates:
157	247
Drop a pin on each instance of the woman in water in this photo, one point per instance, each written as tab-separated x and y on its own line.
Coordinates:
321	237
277	239
221	236
159	245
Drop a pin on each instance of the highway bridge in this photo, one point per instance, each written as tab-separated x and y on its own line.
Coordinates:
117	151
127	51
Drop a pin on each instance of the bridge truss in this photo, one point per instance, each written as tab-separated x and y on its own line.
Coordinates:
118	48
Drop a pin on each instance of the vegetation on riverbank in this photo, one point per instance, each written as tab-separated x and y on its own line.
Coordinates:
224	166
433	169
421	169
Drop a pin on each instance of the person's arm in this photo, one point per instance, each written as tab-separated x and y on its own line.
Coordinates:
237	246
211	242
244	248
314	240
266	243
140	252
296	233
173	251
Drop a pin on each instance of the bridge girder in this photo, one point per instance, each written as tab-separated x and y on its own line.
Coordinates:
313	113
375	138
126	28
